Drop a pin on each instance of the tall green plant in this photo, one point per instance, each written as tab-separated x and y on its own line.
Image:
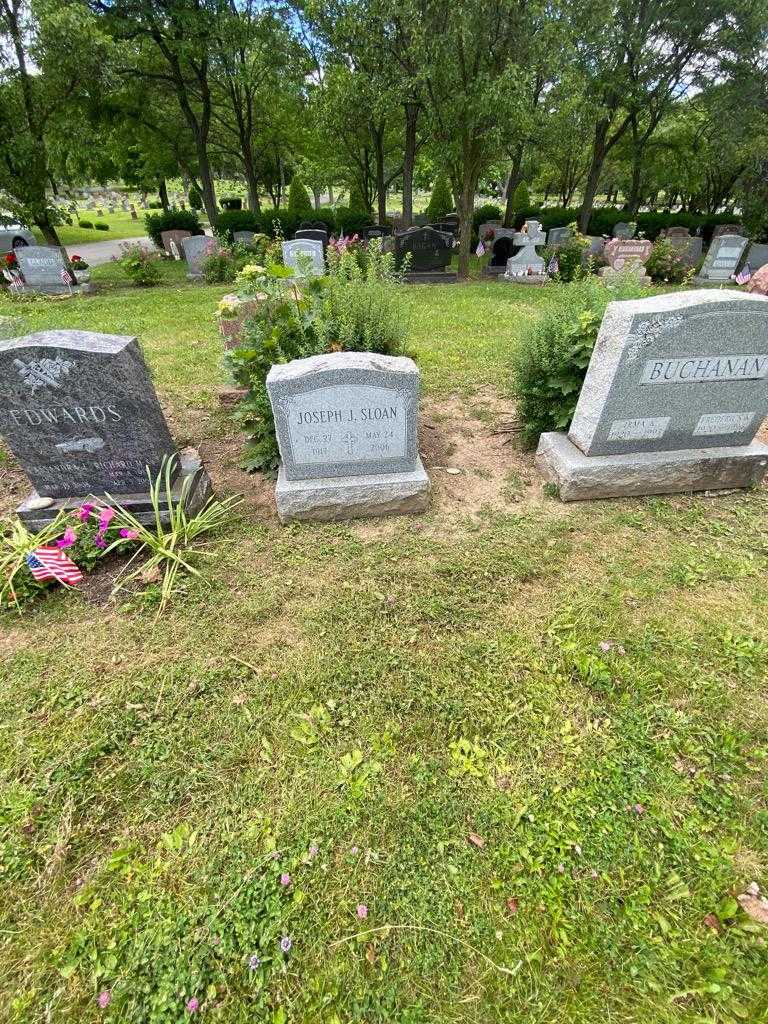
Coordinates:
551	360
298	196
441	200
165	544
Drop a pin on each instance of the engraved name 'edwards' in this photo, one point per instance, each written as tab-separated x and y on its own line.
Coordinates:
705	369
59	416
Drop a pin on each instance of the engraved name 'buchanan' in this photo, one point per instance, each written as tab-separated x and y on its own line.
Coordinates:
59	415
704	369
370	414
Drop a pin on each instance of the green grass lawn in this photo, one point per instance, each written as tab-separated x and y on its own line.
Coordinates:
529	738
120	226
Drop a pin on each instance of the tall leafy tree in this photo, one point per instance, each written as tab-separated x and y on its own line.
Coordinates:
52	63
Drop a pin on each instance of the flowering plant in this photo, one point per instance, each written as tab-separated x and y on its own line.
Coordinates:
78	263
10	260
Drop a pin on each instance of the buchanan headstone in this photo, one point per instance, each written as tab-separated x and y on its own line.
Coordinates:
47	270
302	254
431	253
347	429
723	258
673	397
197	248
80	414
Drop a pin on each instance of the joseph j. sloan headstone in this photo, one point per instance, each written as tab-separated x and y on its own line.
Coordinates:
675	392
347	429
79	412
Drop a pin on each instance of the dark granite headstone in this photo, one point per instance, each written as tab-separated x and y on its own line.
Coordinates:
757	256
80	413
430	252
376	231
726	229
315	234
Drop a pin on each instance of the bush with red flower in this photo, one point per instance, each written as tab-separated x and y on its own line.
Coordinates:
78	263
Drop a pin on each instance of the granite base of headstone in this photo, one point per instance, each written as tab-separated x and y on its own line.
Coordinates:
346	425
81	415
672	400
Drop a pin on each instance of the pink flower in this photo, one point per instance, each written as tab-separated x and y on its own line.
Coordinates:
68	539
127	534
104	999
285	878
314	850
106	517
192	1005
361	911
605	646
99	541
84	511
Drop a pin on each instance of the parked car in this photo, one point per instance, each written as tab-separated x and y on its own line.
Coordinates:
14	236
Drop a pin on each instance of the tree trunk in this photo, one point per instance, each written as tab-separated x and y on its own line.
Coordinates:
317	195
466	207
330	195
162	191
206	180
515	174
251	183
593	177
381	189
409	160
49	231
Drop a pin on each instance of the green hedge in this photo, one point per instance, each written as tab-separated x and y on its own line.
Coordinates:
181	220
341	220
603	220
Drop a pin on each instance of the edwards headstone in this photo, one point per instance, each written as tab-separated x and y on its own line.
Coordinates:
80	414
723	258
673	397
347	429
304	252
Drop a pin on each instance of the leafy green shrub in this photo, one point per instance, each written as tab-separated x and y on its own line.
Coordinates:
441	200
551	360
569	256
298	196
195	199
238	220
489	211
141	265
522	197
350	221
155	204
224	264
349	310
667	264
85	223
99	225
183	220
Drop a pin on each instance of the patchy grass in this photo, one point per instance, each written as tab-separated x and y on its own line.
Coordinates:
538	825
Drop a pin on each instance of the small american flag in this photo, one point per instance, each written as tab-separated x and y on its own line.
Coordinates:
52	564
744	275
553	267
480	250
66	277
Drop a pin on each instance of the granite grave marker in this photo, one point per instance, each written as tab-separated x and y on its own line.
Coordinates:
673	397
306	251
175	237
79	412
346	425
430	252
723	258
197	248
43	267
